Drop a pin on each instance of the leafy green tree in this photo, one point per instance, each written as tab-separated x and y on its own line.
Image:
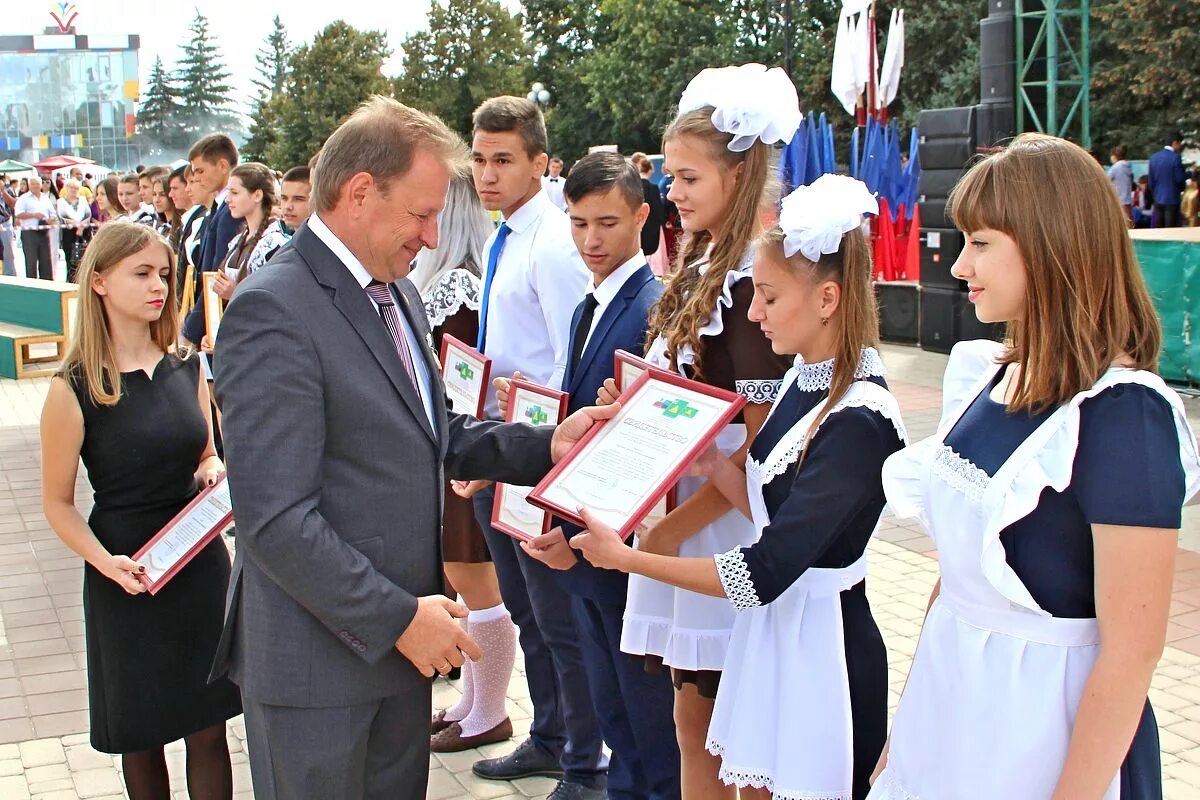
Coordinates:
272	60
158	124
472	50
328	79
204	89
1145	74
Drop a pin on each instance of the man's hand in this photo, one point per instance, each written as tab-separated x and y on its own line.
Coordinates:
608	393
468	489
576	426
503	387
552	550
434	641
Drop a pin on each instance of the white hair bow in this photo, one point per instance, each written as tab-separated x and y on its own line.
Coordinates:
815	217
750	102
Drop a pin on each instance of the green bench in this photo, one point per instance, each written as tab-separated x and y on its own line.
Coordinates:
34	312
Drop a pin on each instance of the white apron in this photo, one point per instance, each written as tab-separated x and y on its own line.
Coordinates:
782	719
996	681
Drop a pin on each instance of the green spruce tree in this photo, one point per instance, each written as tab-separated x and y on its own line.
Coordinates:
158	119
272	59
204	88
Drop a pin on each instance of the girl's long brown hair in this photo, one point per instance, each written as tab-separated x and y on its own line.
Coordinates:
690	299
1085	301
856	319
91	356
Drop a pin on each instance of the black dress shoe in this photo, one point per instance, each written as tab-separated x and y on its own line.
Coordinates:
576	791
527	761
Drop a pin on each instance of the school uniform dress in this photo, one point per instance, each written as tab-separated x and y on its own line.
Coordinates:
452	307
1010	642
685	630
273	237
802	706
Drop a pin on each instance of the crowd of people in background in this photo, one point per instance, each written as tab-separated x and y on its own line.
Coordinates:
1167	196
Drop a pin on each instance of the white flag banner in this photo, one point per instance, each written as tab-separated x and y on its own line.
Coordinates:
842	79
862	53
893	60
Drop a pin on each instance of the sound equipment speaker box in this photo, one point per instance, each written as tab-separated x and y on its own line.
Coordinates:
995	123
940	312
933	213
997	83
997	41
1002	8
940	248
969	326
953	152
938	123
899	311
937	183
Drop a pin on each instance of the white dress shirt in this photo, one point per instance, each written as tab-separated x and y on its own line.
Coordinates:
554	190
29	204
540	279
610	288
78	213
420	363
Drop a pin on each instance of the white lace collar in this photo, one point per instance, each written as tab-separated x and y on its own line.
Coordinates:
819	376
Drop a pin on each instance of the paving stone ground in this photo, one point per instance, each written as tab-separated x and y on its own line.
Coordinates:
44	750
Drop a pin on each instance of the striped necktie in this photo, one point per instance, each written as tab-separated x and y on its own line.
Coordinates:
381	293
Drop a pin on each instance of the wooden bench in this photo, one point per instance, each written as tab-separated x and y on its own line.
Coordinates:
34	312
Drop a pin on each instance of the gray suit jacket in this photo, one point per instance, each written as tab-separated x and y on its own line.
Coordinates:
337	480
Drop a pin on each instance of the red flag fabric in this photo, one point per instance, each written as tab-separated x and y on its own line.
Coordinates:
885	243
912	260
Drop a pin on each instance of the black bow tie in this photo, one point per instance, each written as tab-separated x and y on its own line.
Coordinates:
554	180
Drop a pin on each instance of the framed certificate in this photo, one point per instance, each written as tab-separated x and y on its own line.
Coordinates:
625	465
627	368
212	307
186	535
511	514
465	373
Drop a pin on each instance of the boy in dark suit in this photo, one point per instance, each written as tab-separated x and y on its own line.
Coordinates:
212	159
607	210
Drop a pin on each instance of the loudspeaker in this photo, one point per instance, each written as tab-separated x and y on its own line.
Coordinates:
998	83
997	41
969	326
1002	8
936	183
933	213
940	248
995	123
950	153
940	313
899	311
939	123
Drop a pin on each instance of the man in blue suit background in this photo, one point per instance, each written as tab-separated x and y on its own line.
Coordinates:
607	208
212	158
1166	183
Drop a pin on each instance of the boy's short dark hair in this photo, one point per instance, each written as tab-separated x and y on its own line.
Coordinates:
153	173
300	174
133	178
213	147
600	172
513	115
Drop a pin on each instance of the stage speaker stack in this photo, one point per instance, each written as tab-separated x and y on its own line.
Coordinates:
996	117
899	311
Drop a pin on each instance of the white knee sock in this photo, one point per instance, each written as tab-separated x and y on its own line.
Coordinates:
493	630
460	709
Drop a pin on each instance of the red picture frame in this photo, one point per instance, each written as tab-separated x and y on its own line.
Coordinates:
624	358
735	401
554	397
155	586
485	364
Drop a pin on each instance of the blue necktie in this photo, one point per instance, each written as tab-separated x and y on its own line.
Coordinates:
493	259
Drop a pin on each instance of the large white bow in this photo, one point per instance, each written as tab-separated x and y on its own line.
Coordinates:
815	217
749	101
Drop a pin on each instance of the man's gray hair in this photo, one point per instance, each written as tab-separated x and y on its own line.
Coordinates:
381	138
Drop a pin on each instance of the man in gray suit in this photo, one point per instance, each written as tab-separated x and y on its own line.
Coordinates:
338	443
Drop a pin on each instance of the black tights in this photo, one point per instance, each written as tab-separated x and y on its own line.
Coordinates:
209	773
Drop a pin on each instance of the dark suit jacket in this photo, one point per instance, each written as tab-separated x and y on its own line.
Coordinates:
219	230
622	326
652	230
1167	180
337	478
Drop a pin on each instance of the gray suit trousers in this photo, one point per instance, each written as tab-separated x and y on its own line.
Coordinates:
371	751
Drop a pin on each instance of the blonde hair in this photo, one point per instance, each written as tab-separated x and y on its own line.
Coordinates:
1085	300
91	356
690	299
856	320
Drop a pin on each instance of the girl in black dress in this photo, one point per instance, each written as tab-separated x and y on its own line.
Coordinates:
138	415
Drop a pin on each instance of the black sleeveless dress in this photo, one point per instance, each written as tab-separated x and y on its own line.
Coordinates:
148	657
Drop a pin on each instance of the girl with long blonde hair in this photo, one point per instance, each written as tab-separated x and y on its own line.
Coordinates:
717	149
1053	489
138	415
802	706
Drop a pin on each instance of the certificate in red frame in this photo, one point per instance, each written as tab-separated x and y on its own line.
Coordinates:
627	368
189	532
666	421
532	404
465	373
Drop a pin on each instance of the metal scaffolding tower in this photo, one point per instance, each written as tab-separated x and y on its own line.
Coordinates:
1054	68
